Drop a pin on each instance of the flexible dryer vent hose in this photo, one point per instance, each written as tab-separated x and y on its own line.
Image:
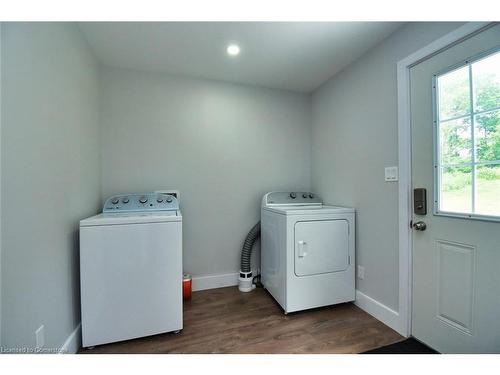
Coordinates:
246	251
245	283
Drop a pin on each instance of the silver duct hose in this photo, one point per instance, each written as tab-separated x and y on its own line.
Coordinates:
245	279
246	251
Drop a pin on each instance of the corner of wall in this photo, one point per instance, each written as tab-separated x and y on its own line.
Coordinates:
309	96
73	342
379	311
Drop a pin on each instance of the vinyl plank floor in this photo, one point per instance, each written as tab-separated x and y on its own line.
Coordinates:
227	321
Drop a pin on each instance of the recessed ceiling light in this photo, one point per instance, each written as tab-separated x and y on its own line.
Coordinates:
233	50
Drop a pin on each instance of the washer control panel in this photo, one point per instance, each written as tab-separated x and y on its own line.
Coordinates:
295	198
141	202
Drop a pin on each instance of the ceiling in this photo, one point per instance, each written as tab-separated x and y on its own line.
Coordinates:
297	56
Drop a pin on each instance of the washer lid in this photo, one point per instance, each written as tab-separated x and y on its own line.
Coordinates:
131	218
309	210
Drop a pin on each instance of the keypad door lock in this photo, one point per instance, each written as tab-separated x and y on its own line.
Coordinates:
420	201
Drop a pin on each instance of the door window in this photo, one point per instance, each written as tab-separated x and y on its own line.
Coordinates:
467	139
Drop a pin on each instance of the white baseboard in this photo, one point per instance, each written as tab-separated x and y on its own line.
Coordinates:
378	310
215	281
72	343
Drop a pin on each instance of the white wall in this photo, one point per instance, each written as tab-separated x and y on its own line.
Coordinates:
354	136
222	145
50	165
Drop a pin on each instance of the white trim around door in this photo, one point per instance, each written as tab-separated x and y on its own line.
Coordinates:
404	157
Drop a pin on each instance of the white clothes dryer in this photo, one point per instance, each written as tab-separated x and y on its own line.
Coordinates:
307	251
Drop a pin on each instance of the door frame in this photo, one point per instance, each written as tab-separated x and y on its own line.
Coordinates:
404	162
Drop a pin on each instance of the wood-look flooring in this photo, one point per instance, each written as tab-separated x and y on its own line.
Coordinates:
227	321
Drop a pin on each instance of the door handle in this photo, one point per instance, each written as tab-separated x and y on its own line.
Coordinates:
302	247
420	225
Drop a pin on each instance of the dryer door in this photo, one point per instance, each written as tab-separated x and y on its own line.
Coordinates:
321	246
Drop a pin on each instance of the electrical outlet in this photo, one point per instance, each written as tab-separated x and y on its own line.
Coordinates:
361	272
40	337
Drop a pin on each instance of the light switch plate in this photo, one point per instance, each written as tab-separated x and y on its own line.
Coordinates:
391	174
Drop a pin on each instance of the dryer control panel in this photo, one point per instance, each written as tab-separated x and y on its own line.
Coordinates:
291	198
141	202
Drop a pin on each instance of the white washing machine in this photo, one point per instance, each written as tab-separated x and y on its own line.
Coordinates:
131	269
307	251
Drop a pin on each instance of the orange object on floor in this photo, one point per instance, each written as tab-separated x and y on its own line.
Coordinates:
186	286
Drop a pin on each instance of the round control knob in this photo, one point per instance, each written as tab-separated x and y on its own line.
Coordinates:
115	200
293	195
143	200
311	196
125	200
159	199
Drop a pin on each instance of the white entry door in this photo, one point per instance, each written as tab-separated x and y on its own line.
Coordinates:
455	116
